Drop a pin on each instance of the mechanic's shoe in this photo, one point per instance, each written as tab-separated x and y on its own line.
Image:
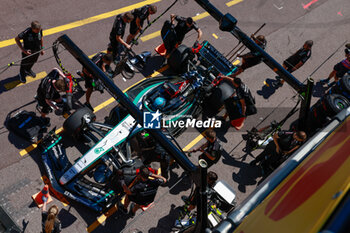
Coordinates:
31	73
22	79
132	214
324	81
89	106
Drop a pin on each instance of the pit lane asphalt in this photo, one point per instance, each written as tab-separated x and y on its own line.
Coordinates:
288	26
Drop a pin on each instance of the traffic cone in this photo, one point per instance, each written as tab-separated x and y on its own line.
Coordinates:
38	197
160	49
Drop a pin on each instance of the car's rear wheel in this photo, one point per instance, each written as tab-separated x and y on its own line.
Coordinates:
76	121
216	100
178	59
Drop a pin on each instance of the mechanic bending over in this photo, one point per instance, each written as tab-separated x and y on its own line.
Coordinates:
151	151
173	35
140	15
191	201
339	70
284	144
117	44
48	93
240	104
295	61
252	58
32	42
141	191
211	150
103	61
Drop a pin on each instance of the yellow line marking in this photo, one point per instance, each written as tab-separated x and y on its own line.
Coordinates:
157	33
97	108
82	22
215	36
102	218
200	16
266	84
29	79
194	142
234	2
236	62
35	145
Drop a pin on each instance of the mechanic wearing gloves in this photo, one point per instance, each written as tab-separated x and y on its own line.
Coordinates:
240	104
32	42
211	150
284	143
140	15
103	61
173	35
117	44
141	191
252	58
48	93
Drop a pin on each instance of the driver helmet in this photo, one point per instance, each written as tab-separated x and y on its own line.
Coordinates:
159	103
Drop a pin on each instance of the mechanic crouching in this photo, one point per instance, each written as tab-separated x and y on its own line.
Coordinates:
151	151
211	150
277	151
141	191
191	201
48	93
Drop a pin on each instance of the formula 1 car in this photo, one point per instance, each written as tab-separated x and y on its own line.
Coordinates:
90	179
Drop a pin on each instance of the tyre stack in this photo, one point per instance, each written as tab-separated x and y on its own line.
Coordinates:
324	109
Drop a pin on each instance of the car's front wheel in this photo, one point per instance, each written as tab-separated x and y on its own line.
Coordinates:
75	122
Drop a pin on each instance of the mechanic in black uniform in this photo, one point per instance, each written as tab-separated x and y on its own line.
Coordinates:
32	42
117	44
151	151
211	150
212	177
142	190
252	58
140	15
240	104
173	35
339	70
103	61
284	143
48	93
295	61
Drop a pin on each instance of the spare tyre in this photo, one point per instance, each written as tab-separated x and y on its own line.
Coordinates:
178	59
334	103
74	123
342	87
